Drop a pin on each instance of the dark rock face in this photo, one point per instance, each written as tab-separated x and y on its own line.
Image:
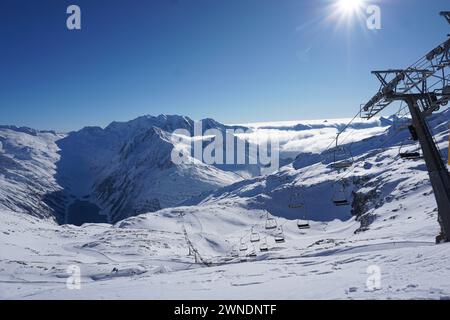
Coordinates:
363	202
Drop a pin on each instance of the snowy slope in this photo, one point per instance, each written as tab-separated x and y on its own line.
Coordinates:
150	254
193	251
27	171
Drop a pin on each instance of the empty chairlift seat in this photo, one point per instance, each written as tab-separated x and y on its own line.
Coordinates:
254	237
341	202
264	247
234	253
340	197
344	164
410	155
297	201
243	246
271	224
342	158
302	225
252	254
279	235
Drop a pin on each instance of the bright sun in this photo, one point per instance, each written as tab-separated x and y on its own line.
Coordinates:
350	6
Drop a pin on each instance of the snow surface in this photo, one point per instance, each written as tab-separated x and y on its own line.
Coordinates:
192	251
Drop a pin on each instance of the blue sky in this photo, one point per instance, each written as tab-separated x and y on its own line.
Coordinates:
232	60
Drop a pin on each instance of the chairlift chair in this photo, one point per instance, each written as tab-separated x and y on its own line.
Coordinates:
234	251
264	247
279	236
344	164
243	246
340	197
297	201
254	237
271	223
302	225
343	158
252	253
409	155
341	202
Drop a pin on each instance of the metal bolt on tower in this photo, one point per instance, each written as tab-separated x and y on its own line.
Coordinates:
425	88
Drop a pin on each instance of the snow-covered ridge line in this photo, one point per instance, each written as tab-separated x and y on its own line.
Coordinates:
112	173
28	130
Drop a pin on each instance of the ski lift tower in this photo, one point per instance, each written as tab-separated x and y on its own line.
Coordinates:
425	88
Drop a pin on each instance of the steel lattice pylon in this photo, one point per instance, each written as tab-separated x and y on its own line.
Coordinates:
425	88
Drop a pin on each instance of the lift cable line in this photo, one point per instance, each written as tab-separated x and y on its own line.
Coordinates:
411	85
383	146
331	145
402	112
380	147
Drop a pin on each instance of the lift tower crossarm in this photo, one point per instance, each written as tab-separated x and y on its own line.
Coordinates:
421	78
446	15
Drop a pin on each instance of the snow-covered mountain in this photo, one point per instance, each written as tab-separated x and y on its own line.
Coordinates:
27	171
204	248
100	175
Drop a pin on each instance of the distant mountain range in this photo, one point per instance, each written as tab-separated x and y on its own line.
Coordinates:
108	174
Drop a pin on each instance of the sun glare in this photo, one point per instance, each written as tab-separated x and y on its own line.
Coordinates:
350	6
